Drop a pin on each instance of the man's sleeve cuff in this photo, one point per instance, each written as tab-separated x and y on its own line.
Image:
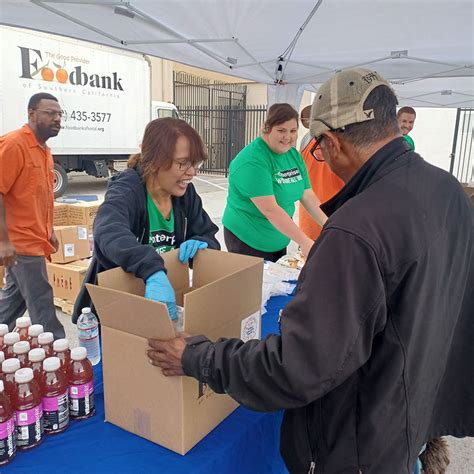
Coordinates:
195	359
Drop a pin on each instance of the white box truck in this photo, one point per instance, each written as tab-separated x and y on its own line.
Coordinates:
104	93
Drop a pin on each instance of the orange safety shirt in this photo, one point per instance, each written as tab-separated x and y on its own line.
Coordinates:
26	182
325	185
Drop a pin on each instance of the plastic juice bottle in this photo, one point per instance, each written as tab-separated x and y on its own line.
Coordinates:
33	332
21	349
36	357
21	327
2	358
28	410
9	339
61	350
54	390
7	428
9	367
80	377
3	330
45	341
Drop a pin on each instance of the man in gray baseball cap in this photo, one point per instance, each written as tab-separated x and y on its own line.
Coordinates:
375	352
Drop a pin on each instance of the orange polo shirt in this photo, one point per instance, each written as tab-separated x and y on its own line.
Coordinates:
325	185
26	182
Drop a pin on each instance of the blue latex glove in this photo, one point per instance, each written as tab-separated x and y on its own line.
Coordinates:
158	288
189	249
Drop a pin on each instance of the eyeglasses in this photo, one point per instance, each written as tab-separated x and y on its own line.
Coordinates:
52	113
185	165
316	148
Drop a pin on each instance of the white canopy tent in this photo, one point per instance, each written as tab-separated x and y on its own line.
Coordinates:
424	47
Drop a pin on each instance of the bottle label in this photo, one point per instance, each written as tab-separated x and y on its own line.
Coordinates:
7	440
56	412
29	426
81	399
88	333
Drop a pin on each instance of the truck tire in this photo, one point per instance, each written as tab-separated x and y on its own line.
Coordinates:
60	180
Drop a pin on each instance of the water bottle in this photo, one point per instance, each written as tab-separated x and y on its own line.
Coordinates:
88	332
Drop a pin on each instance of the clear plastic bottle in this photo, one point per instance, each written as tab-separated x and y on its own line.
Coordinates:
9	339
61	350
88	331
54	390
33	332
21	327
45	341
80	377
7	428
28	410
9	367
3	330
21	349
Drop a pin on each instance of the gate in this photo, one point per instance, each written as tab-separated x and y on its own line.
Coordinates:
462	160
219	113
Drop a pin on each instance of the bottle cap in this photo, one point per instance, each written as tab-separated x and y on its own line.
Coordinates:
3	329
36	355
45	338
78	353
2	357
60	345
10	338
23	375
51	364
10	366
86	310
21	347
23	322
2	387
35	330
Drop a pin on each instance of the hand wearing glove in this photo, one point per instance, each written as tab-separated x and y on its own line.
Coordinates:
189	249
158	288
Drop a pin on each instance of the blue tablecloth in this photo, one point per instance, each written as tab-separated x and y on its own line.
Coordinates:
245	442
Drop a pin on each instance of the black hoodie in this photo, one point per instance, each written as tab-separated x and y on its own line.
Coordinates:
121	231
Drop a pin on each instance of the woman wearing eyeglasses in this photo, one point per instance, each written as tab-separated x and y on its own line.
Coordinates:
152	208
265	180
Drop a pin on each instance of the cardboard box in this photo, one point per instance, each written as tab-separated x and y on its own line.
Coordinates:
60	216
66	279
2	276
83	213
225	300
73	244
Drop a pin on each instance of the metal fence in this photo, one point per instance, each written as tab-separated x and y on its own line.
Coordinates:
218	111
462	159
225	131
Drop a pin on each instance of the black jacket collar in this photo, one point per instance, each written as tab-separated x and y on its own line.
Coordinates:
376	166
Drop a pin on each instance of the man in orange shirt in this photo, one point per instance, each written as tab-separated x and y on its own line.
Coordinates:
324	182
26	216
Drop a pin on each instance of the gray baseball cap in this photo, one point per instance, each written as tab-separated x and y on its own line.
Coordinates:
340	100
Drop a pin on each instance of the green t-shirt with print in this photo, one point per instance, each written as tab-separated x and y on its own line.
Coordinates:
162	236
258	171
410	141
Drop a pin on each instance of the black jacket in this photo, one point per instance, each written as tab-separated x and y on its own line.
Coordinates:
121	231
376	349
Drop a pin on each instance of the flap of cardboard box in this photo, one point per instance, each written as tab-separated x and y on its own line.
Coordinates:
130	313
211	265
178	273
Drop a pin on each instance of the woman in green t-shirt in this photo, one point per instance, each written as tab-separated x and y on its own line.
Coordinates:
265	180
152	208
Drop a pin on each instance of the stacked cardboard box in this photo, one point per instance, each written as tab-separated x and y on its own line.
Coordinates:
224	300
73	228
66	279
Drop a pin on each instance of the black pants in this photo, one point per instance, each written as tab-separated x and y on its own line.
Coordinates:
235	245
